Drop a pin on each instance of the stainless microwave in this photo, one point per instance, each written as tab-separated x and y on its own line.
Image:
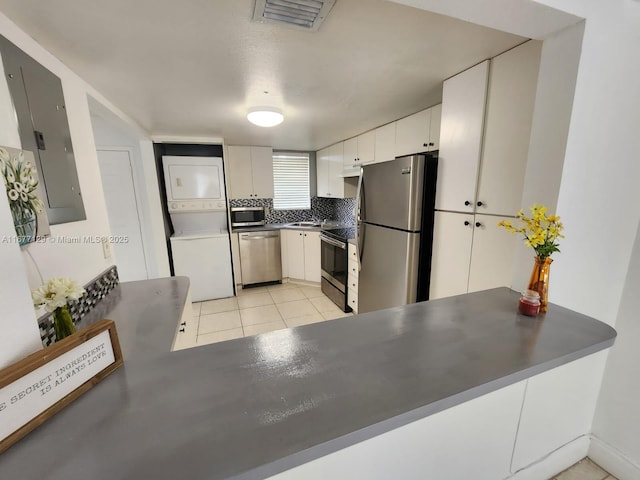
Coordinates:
248	216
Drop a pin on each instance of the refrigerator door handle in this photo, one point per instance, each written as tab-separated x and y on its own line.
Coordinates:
359	208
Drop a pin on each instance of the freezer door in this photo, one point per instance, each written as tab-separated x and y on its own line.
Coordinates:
392	193
389	272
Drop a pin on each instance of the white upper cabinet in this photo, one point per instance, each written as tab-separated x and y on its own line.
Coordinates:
250	172
329	168
262	164
350	153
366	147
412	133
513	78
463	102
336	182
385	143
419	132
240	177
359	150
434	128
322	172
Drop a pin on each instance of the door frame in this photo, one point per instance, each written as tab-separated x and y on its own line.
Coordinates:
135	178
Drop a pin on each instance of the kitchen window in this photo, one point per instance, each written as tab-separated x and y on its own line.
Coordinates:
291	181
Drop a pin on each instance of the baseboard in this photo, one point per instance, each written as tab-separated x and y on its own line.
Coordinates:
613	460
556	461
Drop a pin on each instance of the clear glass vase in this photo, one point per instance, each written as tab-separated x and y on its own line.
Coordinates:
25	223
63	323
539	280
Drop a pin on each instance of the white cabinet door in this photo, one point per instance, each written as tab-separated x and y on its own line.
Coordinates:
549	421
366	147
350	153
295	243
434	128
385	147
492	254
235	258
322	173
452	238
463	101
284	252
513	79
336	182
412	133
311	256
240	172
262	171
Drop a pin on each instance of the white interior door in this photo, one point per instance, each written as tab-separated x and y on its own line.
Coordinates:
124	218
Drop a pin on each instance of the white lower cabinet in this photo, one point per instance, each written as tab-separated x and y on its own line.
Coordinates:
302	255
235	259
558	408
532	429
352	278
470	253
187	328
473	440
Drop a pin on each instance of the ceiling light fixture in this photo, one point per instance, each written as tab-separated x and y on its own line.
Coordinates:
265	116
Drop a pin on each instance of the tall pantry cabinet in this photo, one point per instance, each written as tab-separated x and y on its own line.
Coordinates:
487	112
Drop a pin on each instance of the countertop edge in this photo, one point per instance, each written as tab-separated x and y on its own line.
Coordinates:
318	451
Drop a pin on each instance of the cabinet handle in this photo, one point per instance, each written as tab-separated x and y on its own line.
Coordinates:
184	324
478	224
300	234
480	204
467	203
431	144
305	234
466	223
182	329
425	144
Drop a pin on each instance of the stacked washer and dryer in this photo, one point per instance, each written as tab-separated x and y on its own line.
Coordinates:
200	244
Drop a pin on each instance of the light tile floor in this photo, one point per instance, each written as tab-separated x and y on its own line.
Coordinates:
585	469
262	309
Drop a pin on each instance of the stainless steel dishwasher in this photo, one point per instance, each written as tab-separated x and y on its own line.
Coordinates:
260	259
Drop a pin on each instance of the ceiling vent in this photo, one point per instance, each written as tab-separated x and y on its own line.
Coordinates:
305	14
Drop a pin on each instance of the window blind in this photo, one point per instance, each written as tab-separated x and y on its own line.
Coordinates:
291	181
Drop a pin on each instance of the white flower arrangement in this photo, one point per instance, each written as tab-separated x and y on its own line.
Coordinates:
21	182
56	293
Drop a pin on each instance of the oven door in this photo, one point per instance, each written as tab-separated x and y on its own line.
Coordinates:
334	259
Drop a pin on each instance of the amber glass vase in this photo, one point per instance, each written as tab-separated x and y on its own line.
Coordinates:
539	280
62	323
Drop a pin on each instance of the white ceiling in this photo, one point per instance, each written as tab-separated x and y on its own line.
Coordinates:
194	67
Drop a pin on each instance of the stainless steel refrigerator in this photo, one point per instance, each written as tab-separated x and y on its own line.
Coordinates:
395	231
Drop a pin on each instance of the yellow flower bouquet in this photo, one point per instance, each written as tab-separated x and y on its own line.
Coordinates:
541	231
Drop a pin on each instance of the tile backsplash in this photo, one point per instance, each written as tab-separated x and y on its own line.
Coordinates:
338	209
96	290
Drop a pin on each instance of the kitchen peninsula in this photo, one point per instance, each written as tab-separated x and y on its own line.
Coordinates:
279	403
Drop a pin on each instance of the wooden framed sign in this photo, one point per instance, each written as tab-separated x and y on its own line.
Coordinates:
42	384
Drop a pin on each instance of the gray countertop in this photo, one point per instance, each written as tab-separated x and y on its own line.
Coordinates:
255	406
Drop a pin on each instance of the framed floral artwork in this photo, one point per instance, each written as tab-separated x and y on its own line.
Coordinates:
24	194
